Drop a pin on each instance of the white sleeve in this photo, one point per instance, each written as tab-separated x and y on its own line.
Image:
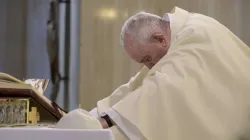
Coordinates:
94	112
129	129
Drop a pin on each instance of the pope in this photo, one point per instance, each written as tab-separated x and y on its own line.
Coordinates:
195	84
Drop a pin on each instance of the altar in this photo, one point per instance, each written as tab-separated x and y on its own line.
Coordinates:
26	114
33	133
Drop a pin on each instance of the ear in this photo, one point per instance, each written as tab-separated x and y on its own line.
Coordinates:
160	39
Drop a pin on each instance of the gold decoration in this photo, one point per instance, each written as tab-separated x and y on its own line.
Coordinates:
34	116
14	112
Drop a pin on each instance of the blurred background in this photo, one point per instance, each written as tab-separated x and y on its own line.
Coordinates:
75	43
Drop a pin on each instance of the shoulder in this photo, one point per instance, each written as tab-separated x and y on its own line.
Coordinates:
191	37
197	31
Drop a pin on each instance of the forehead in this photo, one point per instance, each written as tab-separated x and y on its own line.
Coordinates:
129	40
134	49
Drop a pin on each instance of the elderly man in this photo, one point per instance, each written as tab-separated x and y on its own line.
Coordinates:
195	86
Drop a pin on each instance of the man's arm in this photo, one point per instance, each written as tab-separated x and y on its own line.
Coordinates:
115	118
103	122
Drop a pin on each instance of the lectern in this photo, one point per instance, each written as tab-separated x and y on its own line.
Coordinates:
22	103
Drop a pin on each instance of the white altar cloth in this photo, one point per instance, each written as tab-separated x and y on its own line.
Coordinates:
54	134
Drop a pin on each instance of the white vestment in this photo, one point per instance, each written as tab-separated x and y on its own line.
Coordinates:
200	90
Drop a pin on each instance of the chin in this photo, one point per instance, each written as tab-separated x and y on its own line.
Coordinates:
150	67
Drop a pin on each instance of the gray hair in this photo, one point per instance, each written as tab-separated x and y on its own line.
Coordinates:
142	26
